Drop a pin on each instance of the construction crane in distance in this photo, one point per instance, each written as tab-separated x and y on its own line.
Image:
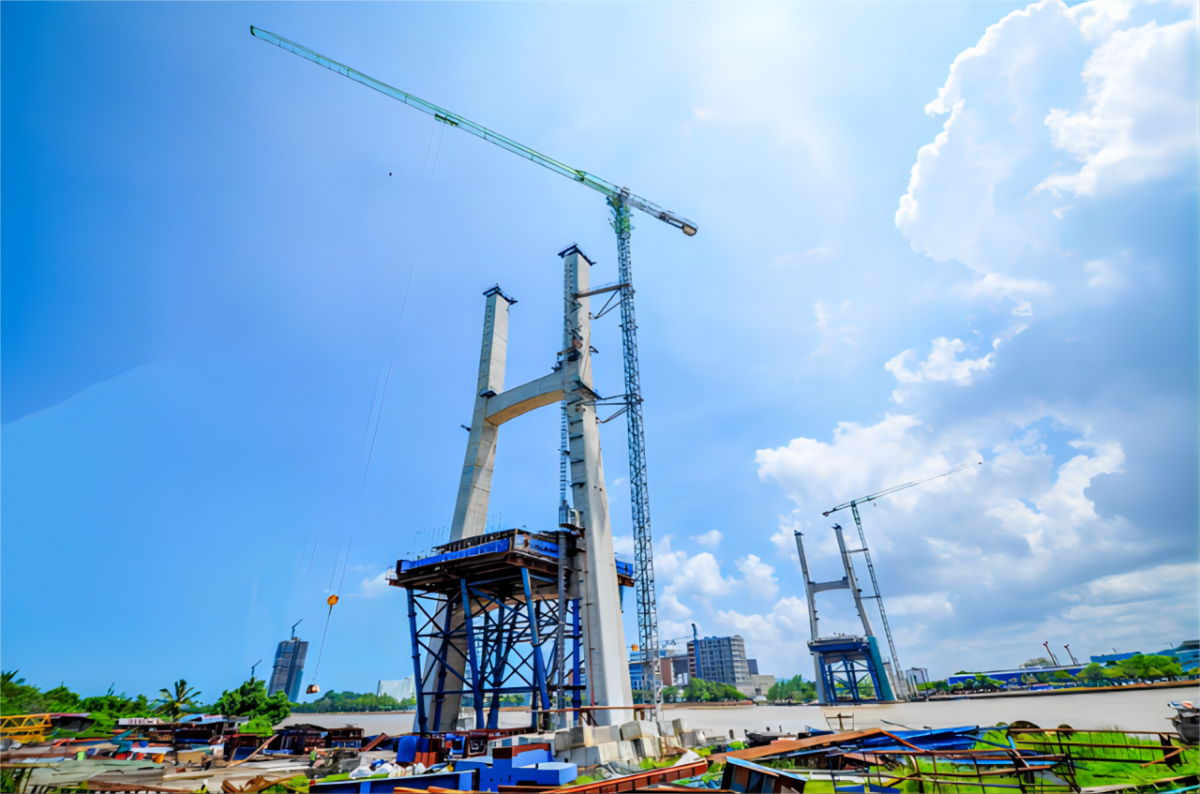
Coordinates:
619	200
853	505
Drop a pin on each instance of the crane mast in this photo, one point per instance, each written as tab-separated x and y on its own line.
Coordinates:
620	200
878	598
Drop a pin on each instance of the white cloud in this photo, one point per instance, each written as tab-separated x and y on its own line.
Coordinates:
942	364
819	475
1044	86
704	114
759	576
1141	118
697	578
375	586
1103	275
927	605
777	639
623	544
997	285
950	550
711	539
821	251
831	336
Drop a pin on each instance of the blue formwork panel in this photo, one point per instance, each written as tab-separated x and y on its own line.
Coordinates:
492	547
453	780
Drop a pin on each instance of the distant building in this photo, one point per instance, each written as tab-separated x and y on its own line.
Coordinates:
665	669
915	676
760	685
721	659
289	668
402	690
1114	657
753	665
1187	654
680	664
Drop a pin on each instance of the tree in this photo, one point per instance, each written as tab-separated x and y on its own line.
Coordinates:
792	689
700	691
333	701
251	700
178	702
1148	668
1092	674
670	694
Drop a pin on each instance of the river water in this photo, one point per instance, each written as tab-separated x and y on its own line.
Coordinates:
1134	710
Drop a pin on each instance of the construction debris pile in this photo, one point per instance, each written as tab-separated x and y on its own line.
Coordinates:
636	756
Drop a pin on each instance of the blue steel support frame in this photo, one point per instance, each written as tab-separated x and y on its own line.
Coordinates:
576	694
416	657
503	626
443	668
538	667
849	670
477	693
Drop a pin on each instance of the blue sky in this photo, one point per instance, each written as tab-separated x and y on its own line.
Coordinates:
929	233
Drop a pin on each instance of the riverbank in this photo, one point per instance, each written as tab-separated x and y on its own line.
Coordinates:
1141	709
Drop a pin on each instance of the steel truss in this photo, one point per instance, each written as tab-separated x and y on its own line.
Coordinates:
508	632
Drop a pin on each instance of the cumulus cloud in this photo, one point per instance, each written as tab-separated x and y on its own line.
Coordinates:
697	578
1139	116
1052	126
778	638
1097	84
758	575
712	538
942	364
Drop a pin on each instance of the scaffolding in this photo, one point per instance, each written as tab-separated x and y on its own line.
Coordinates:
496	607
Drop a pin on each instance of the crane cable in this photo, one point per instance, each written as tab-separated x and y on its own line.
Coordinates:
335	597
332	601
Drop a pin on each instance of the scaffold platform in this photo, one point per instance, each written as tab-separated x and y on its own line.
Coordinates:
496	608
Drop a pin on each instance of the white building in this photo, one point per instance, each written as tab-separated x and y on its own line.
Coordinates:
400	690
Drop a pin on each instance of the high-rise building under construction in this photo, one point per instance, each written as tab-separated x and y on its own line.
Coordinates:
289	668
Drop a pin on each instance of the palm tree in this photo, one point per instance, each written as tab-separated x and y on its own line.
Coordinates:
173	704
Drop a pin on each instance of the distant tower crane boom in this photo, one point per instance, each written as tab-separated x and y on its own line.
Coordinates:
619	199
853	505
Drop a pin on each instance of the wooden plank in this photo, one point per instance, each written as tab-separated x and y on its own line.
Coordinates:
824	740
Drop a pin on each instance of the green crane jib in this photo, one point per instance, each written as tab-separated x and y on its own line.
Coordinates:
619	199
853	505
609	190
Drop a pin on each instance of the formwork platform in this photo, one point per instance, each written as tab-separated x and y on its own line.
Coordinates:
496	607
844	663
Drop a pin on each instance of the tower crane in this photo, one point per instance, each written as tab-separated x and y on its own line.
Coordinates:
619	200
853	505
